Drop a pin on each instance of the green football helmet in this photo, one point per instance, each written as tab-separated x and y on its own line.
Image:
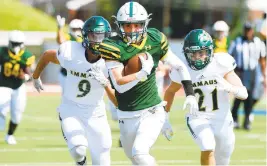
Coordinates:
94	30
198	41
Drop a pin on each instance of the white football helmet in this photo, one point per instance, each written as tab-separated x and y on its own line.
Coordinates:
132	12
220	29
75	27
16	41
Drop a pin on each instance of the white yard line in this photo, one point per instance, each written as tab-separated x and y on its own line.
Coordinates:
5	150
254	161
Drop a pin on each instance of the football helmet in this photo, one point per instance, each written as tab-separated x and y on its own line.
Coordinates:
16	41
198	49
220	29
132	12
75	27
95	29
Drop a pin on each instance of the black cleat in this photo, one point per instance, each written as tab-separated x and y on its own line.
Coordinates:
247	127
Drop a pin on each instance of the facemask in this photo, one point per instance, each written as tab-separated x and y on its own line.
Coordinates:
16	50
76	34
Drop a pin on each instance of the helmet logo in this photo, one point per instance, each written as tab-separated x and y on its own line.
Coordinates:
194	47
204	37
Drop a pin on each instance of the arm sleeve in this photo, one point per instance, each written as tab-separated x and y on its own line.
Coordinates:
174	76
164	45
226	62
122	88
187	84
171	59
64	53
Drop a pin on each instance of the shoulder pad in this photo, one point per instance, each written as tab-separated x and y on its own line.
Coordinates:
157	36
225	60
30	60
65	50
154	34
109	49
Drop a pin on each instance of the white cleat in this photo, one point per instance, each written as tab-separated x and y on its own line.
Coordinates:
11	140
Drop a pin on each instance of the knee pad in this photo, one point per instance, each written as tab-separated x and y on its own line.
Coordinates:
223	156
144	159
16	117
78	153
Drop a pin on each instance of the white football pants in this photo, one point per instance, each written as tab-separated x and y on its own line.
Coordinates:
213	135
13	100
139	133
80	128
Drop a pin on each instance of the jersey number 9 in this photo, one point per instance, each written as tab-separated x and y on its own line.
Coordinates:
84	86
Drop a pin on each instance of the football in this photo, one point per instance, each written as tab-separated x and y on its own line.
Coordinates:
134	64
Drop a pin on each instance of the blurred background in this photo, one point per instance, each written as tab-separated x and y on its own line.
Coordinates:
37	19
173	17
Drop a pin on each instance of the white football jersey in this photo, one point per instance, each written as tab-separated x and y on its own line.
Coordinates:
79	87
212	101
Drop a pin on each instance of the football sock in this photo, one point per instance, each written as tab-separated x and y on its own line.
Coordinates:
12	128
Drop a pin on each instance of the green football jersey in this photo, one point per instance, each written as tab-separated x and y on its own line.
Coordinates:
11	65
144	94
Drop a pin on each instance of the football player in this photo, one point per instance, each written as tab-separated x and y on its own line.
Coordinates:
140	111
15	63
82	110
213	79
220	35
74	34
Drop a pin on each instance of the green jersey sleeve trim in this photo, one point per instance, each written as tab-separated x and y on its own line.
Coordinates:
109	52
164	45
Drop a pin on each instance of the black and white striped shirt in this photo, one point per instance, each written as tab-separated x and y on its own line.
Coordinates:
247	53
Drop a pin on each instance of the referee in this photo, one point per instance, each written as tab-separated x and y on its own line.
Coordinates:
249	52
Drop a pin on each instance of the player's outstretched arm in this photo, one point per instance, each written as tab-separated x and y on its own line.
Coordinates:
111	95
124	83
234	85
48	56
171	59
117	70
170	93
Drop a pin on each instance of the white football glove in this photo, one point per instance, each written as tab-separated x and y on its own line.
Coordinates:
38	84
99	76
60	21
191	101
167	128
147	64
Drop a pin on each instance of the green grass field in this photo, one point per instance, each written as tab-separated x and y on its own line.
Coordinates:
40	141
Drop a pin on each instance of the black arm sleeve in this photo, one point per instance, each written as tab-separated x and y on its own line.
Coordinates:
188	87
